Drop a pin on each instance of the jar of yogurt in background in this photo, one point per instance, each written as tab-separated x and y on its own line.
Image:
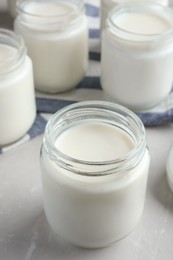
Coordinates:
17	99
95	166
137	54
12	7
56	35
107	5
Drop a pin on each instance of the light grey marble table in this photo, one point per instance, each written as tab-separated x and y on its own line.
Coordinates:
25	234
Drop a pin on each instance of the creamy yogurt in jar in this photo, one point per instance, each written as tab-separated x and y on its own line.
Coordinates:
137	54
107	5
17	99
95	166
56	35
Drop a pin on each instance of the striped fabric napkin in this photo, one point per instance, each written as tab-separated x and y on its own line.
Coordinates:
89	88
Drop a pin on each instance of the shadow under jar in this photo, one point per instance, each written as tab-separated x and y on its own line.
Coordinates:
137	54
12	7
17	97
95	166
56	35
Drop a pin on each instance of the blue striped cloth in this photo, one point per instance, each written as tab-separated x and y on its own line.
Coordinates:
89	88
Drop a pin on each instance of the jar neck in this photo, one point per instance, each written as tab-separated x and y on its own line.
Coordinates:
9	39
101	112
121	35
49	15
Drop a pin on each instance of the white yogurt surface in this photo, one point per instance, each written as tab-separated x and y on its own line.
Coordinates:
94	142
49	9
142	23
6	52
107	5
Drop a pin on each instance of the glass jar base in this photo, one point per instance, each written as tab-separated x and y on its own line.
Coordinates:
89	245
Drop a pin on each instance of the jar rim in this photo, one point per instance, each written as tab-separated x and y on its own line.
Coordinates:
115	1
9	38
104	110
21	8
154	8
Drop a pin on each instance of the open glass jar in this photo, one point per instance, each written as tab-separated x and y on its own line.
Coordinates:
17	97
137	54
56	35
88	188
107	5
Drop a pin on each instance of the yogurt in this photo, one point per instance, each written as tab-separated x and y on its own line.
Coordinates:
57	42
17	99
107	5
94	173
137	55
104	138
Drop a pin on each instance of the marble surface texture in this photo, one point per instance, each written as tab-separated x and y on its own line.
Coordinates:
25	234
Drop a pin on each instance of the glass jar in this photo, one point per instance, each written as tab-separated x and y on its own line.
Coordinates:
12	7
107	5
87	197
56	35
137	54
17	99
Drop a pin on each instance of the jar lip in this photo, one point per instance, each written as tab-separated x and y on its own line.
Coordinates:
144	7
125	114
115	1
22	4
9	38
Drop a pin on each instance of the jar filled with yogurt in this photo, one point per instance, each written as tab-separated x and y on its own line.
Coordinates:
95	164
107	5
56	35
137	54
17	98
